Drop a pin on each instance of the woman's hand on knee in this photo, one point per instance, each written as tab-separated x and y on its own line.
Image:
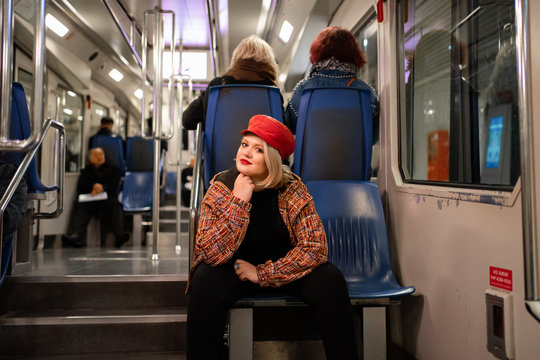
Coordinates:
246	271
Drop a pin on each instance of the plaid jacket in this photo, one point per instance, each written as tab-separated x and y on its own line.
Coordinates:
224	220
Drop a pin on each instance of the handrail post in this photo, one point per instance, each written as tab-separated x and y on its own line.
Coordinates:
528	191
7	49
195	192
180	147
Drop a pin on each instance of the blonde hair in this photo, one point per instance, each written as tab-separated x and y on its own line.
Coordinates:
279	175
254	48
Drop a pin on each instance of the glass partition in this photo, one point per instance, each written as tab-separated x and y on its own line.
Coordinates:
70	114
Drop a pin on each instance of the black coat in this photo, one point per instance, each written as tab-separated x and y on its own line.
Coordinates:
106	175
17	206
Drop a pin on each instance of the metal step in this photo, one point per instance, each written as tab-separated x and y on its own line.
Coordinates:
94	316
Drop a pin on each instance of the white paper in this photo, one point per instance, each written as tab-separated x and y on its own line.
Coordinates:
97	197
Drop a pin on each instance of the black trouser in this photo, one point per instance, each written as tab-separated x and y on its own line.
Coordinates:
213	290
110	210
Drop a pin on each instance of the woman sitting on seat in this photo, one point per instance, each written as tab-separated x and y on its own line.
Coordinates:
252	63
336	59
259	233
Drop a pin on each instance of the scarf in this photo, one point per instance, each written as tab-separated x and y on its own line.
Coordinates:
252	70
333	64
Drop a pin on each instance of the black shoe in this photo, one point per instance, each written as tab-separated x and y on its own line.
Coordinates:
121	240
73	242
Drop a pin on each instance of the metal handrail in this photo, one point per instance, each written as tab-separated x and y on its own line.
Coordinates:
528	190
21	170
195	192
7	144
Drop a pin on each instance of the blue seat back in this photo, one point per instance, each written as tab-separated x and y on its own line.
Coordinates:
352	216
138	191
139	154
19	130
113	148
228	112
333	135
170	188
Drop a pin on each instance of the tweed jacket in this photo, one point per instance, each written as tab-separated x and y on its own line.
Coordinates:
224	220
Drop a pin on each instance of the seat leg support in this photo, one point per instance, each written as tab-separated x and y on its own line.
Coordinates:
241	334
137	230
374	333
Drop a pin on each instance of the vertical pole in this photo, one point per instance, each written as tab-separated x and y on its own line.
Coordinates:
7	66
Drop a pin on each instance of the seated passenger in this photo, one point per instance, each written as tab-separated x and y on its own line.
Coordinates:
259	233
252	63
105	129
97	179
336	59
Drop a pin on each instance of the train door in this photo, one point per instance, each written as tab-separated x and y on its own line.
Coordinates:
450	172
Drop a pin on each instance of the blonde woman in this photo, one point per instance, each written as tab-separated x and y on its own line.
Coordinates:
258	233
252	63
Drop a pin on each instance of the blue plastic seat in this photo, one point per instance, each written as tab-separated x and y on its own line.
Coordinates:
333	135
139	154
137	195
170	188
353	218
228	112
113	148
20	130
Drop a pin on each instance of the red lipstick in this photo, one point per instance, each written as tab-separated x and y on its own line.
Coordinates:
244	162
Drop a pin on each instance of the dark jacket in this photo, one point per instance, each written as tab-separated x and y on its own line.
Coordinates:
106	175
196	111
16	208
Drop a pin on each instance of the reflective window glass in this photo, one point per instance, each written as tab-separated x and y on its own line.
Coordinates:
97	111
366	36
71	115
459	102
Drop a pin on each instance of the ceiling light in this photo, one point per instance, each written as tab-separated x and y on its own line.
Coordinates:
116	75
55	25
100	112
286	31
138	93
71	93
68	111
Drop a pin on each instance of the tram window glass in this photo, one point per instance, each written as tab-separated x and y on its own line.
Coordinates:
97	111
27	81
71	115
366	36
459	105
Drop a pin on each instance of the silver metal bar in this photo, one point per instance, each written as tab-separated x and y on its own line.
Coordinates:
180	147
211	24
528	187
7	49
156	125
195	192
144	72
36	112
60	151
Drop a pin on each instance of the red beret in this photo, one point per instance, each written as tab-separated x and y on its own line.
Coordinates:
275	133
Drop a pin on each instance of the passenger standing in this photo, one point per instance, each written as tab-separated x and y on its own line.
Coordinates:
252	63
105	129
258	233
336	59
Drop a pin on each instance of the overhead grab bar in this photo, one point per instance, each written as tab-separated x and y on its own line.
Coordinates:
36	112
528	191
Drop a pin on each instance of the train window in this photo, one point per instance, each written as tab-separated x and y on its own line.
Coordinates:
459	105
71	115
366	35
97	111
27	81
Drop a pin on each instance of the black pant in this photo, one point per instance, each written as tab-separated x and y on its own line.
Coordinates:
110	210
215	289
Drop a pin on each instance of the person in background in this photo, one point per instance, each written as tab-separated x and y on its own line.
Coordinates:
97	178
252	63
105	128
258	233
336	59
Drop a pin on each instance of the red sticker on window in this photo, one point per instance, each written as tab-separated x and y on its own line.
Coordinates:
501	278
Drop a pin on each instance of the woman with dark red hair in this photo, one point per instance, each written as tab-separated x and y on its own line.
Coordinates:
336	59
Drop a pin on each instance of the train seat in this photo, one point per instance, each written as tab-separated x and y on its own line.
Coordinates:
227	114
20	129
170	187
333	135
353	218
137	199
113	148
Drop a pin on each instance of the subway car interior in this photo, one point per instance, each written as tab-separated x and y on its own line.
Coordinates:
428	199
